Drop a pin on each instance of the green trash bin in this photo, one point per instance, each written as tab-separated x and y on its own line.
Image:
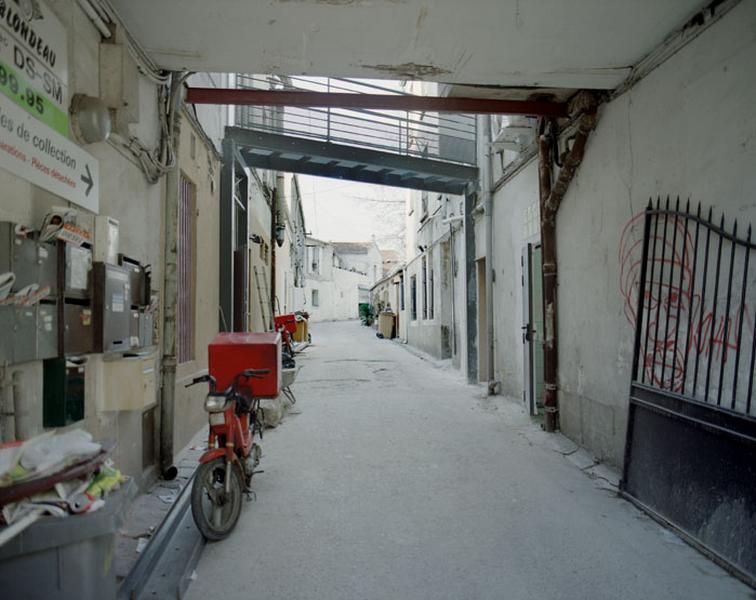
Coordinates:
69	557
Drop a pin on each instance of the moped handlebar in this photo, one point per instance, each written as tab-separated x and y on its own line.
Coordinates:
202	379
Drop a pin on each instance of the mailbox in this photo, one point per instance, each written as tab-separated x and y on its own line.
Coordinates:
111	312
231	353
30	260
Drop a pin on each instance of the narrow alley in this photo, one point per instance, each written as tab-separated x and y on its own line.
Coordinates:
338	299
395	479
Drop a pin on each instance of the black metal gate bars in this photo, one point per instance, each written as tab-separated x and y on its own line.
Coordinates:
690	457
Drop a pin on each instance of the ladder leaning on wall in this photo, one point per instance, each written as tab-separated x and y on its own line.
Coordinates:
263	295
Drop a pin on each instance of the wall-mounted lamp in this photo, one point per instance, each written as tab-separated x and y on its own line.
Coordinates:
90	119
255	239
280	229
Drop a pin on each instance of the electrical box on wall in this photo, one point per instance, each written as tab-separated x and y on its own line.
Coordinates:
106	240
111	311
119	83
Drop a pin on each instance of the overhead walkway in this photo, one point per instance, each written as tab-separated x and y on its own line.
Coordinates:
408	149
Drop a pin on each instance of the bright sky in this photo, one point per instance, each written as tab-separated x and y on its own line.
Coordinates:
346	211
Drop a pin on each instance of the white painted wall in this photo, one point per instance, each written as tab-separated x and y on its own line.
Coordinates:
510	207
138	206
687	129
338	295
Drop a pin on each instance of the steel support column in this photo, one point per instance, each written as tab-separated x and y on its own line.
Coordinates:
226	238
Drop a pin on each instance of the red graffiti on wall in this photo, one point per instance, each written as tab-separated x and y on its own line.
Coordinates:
675	325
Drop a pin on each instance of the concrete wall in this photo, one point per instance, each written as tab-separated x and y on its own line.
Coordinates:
432	334
259	259
124	195
426	232
338	295
290	257
512	230
687	129
203	170
137	205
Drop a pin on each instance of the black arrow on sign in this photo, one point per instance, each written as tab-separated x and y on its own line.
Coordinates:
88	180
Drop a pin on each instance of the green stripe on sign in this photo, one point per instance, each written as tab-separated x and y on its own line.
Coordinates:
15	87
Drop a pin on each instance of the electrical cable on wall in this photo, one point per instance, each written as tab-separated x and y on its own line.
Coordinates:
154	163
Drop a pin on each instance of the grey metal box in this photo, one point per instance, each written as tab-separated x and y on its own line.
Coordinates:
24	333
29	260
112	314
6	343
146	320
19	324
78	267
134	341
139	279
78	329
47	331
66	558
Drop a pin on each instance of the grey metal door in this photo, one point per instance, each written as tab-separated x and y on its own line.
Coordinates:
532	327
690	455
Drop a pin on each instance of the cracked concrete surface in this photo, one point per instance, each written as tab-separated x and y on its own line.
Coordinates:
408	484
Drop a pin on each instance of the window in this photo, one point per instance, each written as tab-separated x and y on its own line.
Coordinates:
401	291
185	262
313	259
425	287
315	298
413	297
423	205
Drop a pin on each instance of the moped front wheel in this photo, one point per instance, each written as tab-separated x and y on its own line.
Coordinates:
216	503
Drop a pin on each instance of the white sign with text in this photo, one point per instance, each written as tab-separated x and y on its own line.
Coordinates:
30	149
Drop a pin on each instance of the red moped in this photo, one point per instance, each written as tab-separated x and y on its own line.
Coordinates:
232	455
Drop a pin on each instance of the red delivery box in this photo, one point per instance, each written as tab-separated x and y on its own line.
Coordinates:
231	353
288	322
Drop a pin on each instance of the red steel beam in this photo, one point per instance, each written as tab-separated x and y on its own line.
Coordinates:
535	108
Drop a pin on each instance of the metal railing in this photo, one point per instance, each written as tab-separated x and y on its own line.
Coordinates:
447	137
696	289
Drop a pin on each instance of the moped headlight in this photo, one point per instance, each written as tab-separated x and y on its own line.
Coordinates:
215	403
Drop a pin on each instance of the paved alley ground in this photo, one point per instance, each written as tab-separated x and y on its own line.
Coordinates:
397	480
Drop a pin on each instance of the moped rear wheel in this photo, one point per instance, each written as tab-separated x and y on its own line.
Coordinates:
215	506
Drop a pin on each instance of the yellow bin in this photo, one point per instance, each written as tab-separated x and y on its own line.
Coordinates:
386	324
300	335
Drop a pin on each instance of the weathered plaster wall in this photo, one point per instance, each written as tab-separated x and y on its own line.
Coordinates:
688	129
124	195
204	171
510	213
338	295
138	206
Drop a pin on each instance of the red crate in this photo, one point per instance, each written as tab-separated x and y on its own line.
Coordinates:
288	322
231	353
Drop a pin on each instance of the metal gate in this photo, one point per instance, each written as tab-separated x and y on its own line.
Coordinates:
690	455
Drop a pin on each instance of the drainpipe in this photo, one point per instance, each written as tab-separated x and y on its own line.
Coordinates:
551	197
487	185
170	300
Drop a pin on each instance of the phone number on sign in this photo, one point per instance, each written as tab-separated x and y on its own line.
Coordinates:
12	87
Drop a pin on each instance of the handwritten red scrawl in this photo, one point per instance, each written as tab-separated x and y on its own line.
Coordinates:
678	299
